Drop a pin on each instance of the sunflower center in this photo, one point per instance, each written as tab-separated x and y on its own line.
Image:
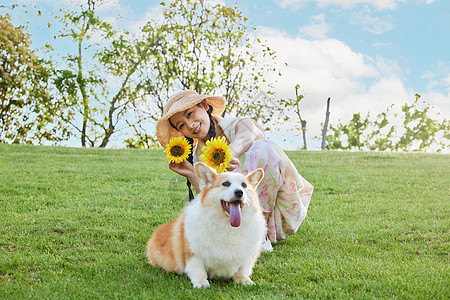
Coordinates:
177	151
218	156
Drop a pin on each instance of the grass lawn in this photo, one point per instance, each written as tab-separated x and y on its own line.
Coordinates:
74	224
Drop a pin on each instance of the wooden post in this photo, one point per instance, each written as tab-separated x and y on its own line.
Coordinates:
303	122
325	126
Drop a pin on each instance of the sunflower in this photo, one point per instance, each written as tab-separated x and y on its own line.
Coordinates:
178	149
216	154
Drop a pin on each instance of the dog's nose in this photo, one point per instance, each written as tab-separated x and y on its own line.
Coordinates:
238	194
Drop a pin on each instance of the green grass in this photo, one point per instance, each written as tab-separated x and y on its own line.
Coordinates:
74	224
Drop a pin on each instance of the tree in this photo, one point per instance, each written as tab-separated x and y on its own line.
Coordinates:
205	48
325	126
420	127
348	136
101	109
418	131
382	135
295	105
28	113
356	130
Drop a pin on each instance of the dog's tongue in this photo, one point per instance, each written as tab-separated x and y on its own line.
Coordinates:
235	214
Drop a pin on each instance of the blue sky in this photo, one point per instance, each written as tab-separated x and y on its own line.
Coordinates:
414	33
364	54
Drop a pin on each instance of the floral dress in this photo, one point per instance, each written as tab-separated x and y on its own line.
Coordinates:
283	193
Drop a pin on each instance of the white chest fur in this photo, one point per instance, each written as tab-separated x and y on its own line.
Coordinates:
223	249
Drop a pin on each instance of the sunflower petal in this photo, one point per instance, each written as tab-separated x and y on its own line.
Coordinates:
178	150
216	154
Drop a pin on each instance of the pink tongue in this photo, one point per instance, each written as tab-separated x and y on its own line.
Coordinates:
235	214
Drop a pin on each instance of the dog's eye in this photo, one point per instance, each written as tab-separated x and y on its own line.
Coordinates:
244	185
226	183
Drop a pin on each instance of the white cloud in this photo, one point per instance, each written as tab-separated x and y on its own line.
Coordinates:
317	29
106	5
382	44
440	80
154	13
215	2
330	68
439	100
369	23
378	4
291	4
431	78
388	66
428	75
446	81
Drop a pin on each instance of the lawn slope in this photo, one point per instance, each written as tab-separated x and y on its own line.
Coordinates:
74	224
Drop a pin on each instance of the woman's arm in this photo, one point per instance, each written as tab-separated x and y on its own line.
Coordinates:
246	132
187	170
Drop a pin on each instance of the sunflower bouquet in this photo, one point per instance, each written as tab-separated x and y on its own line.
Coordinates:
216	154
178	149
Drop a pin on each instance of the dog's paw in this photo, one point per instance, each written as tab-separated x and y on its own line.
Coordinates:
243	280
201	284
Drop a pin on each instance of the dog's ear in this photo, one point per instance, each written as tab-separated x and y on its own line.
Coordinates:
255	177
205	175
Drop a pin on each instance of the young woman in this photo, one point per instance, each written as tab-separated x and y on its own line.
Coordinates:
284	195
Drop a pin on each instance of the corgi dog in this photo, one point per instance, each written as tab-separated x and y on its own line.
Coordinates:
219	234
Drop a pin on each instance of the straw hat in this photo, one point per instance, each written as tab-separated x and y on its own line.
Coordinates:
180	102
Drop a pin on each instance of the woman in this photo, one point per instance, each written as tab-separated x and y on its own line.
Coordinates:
284	195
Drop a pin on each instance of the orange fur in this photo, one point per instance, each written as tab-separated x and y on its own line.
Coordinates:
216	182
169	239
204	194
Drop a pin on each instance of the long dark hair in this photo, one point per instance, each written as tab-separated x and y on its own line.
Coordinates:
211	133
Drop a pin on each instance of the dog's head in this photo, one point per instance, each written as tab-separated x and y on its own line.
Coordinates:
230	191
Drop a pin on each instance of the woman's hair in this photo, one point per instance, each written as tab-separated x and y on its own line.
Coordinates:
211	133
212	127
191	160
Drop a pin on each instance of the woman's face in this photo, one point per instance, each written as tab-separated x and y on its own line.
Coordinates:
193	122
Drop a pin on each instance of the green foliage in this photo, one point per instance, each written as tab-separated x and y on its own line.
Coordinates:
205	47
74	224
101	110
416	130
28	113
382	136
142	141
352	131
197	46
421	127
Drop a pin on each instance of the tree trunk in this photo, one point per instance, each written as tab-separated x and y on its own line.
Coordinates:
325	126
82	85
304	134
110	130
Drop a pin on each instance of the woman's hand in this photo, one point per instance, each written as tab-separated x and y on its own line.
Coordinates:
233	164
184	168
